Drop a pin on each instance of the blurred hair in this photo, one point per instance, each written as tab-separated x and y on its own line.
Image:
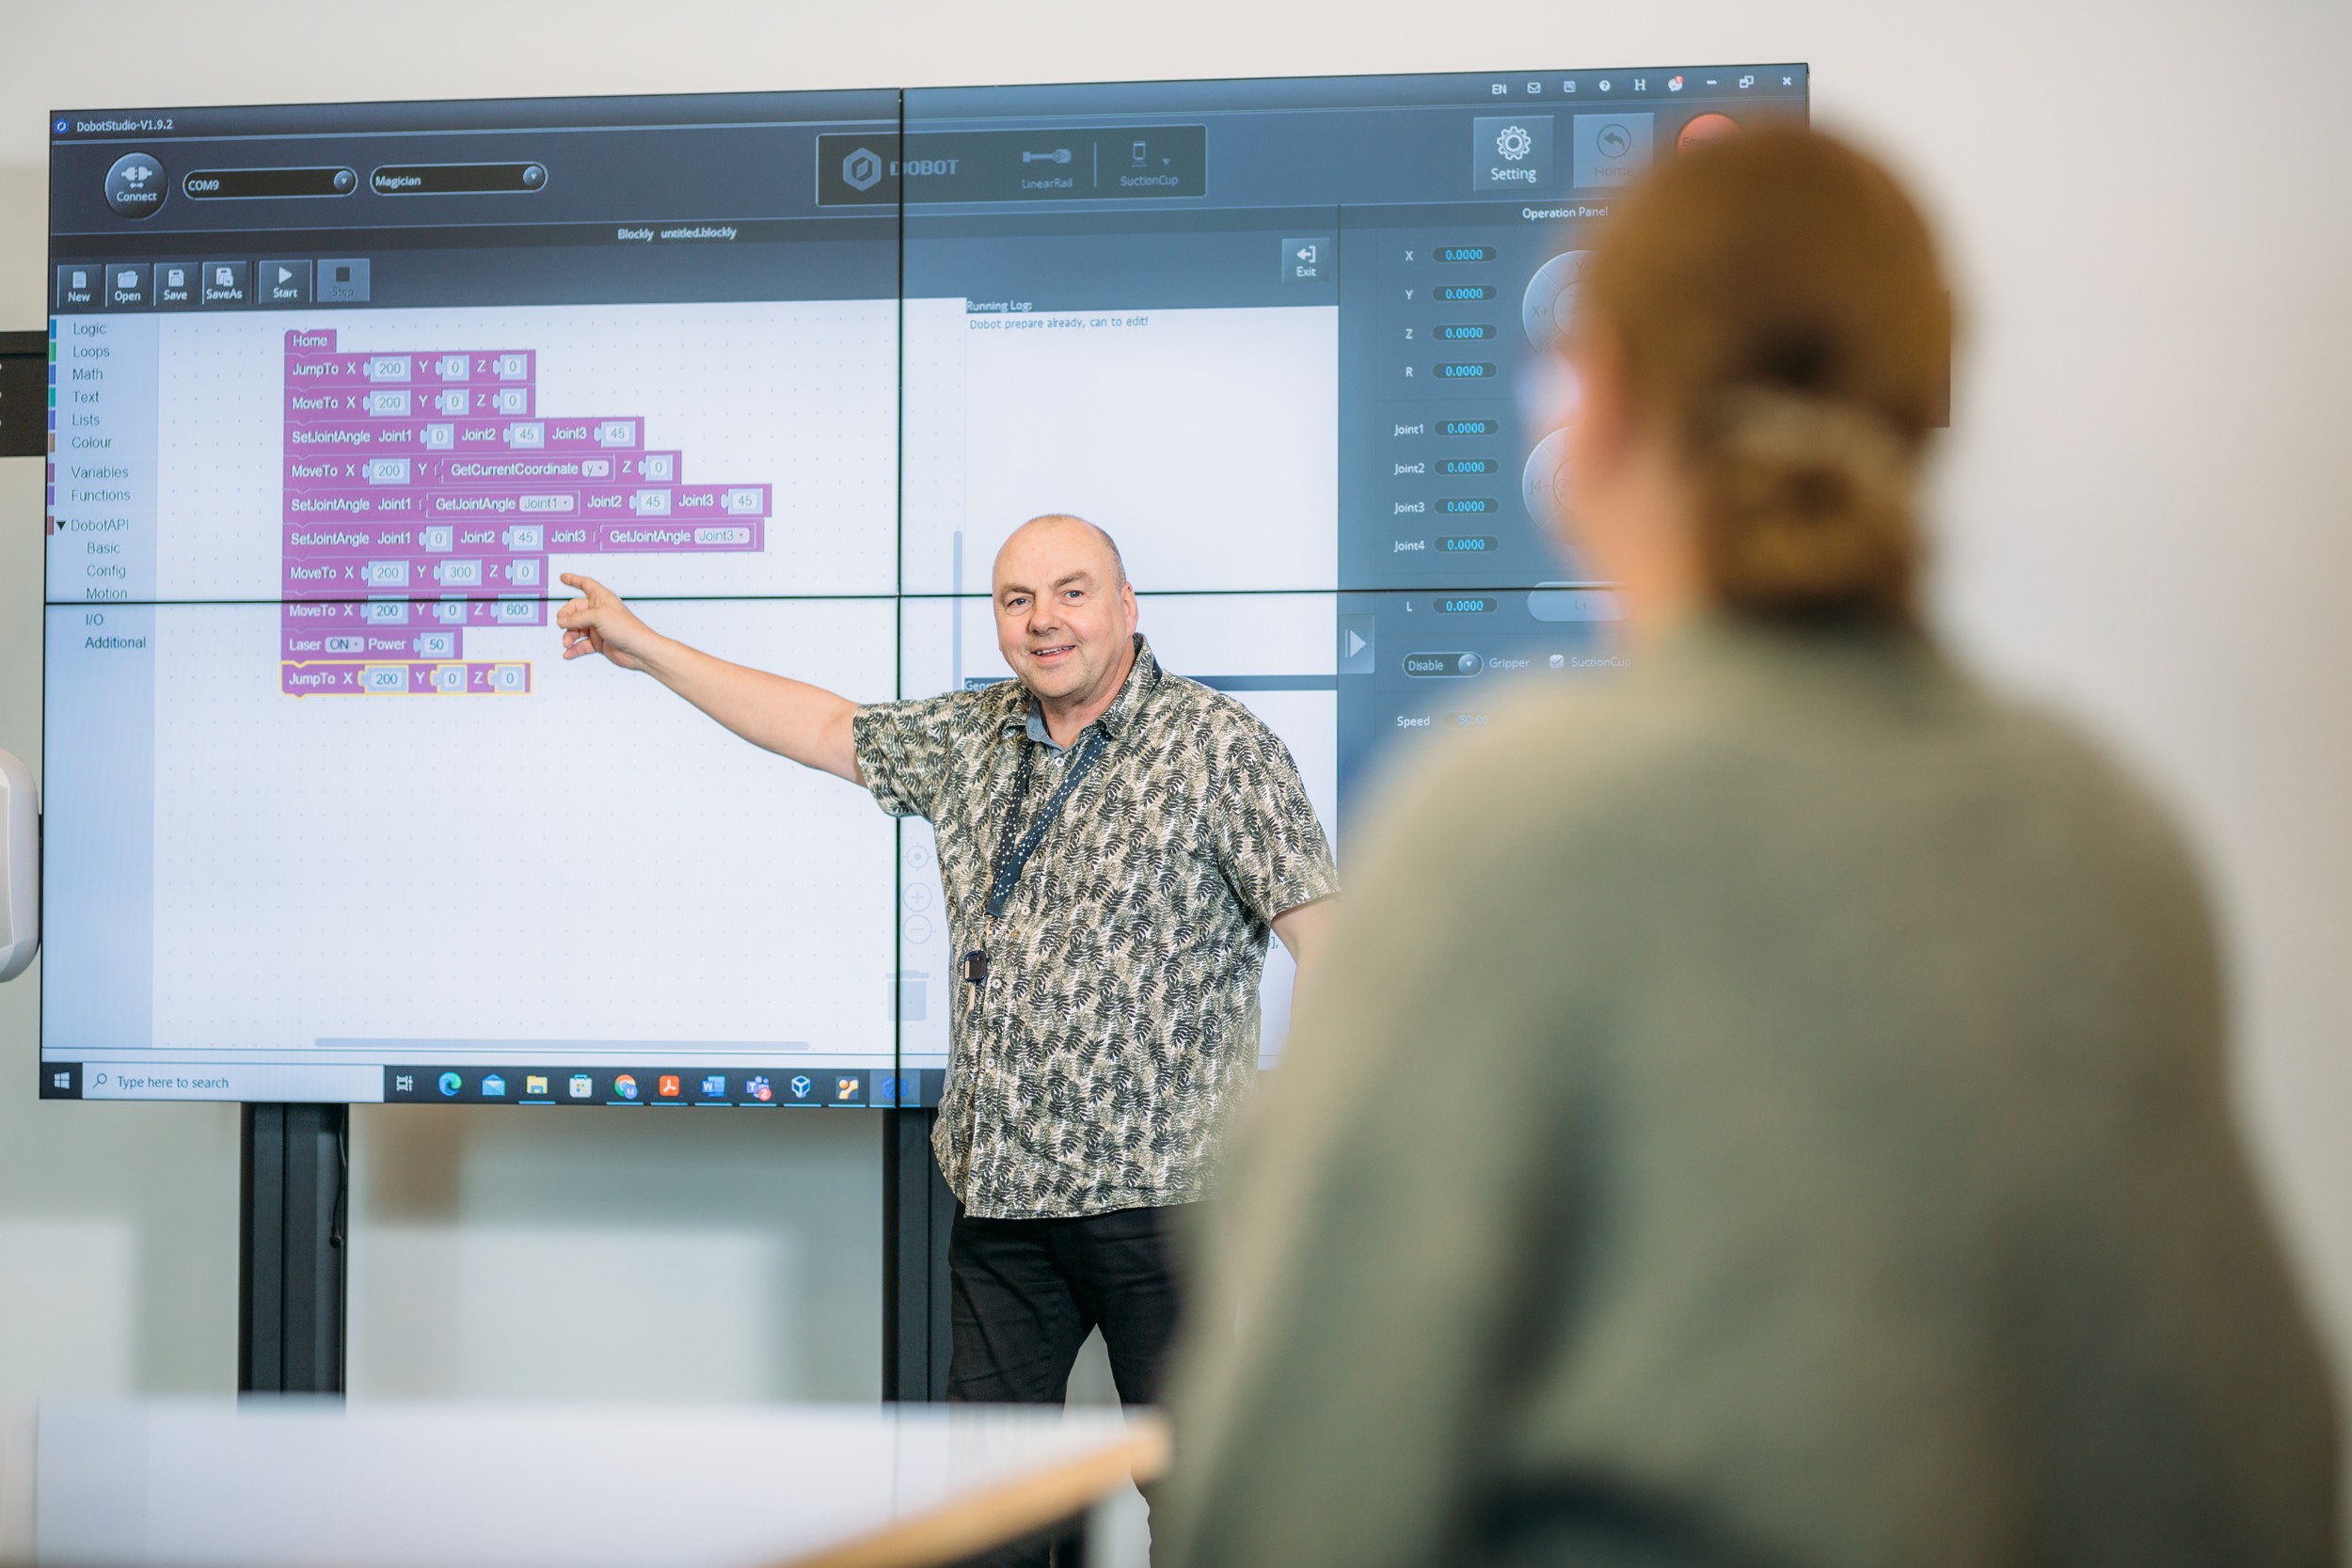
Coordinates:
1779	305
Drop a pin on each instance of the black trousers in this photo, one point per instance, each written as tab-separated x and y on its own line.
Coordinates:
1026	1293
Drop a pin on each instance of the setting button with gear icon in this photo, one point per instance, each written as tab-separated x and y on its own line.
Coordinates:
1511	152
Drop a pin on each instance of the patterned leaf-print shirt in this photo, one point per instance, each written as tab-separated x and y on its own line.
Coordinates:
1096	1066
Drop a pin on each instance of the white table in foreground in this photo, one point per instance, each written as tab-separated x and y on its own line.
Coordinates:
186	1482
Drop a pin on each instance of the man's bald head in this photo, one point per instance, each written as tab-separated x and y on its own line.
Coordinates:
1065	520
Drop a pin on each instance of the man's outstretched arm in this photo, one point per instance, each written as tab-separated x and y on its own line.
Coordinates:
790	717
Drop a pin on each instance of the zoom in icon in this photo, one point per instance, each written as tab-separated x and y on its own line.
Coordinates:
1550	300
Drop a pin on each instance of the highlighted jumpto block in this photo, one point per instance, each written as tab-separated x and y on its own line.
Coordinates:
406	678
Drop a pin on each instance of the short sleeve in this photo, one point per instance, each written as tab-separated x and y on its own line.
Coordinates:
902	752
1268	843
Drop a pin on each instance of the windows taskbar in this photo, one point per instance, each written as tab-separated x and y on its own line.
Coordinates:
670	1085
810	1085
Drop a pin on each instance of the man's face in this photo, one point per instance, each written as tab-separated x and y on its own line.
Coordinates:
1063	618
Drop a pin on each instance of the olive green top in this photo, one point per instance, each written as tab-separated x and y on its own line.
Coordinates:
1768	1109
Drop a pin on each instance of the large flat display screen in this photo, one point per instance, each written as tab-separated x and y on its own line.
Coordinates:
338	392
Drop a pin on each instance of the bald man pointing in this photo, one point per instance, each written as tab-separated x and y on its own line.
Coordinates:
1116	843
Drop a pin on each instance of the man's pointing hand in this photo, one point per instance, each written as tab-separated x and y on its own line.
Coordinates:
598	622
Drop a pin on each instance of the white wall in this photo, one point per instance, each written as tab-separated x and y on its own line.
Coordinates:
2145	512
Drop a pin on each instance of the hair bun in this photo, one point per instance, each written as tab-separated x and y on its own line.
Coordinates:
1807	506
1777	305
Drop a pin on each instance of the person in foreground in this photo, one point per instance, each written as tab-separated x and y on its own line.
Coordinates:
1115	844
1772	1109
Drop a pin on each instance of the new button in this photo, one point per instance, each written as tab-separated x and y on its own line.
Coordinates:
78	286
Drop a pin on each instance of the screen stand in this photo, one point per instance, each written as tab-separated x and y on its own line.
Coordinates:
917	1210
293	1203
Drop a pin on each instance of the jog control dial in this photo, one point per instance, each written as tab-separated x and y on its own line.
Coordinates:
1550	300
1544	483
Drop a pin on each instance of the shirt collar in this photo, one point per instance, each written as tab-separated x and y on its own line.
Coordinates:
1141	678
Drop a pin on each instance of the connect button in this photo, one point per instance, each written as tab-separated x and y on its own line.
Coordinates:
134	186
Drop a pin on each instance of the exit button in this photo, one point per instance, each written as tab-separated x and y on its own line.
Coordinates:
1312	260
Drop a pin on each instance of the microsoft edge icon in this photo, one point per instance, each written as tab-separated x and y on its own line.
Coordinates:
450	1083
862	169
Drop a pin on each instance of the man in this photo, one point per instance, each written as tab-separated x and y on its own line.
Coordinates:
1116	843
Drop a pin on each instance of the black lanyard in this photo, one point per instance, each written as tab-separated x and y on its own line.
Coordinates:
1012	858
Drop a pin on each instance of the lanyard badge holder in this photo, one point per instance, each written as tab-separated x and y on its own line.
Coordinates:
1013	852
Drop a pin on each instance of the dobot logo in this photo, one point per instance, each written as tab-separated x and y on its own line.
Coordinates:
861	170
858	168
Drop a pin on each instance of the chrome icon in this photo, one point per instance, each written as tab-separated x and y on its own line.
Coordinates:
624	1086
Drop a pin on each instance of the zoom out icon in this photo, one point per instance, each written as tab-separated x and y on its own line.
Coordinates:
861	170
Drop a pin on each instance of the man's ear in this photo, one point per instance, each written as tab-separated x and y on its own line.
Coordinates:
1127	598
